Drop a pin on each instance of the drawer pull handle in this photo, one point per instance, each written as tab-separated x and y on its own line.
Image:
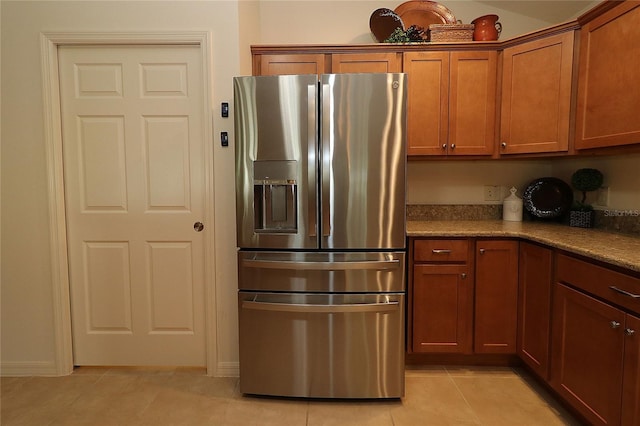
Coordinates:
614	324
626	293
440	251
629	331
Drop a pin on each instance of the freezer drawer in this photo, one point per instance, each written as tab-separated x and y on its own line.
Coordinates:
322	345
323	272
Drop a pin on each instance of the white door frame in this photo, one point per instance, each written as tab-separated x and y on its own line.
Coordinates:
49	43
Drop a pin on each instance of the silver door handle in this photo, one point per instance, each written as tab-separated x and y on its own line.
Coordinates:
440	251
626	293
311	147
308	308
377	265
326	161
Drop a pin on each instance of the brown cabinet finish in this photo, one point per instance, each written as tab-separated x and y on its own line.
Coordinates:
366	62
631	381
588	350
608	84
427	102
449	250
451	102
441	296
496	296
534	306
442	299
289	64
536	95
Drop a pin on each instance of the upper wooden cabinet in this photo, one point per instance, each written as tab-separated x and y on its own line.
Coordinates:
608	106
289	64
536	95
451	102
365	62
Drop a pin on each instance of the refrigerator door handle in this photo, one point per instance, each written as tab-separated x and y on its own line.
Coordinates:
312	136
326	159
378	265
311	308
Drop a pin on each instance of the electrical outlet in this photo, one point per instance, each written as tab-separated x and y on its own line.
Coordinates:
492	193
603	196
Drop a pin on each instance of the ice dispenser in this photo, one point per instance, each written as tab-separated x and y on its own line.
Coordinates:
275	200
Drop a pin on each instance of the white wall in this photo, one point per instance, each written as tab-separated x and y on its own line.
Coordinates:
27	331
345	21
462	182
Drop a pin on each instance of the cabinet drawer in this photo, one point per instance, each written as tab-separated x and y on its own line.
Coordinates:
619	288
441	250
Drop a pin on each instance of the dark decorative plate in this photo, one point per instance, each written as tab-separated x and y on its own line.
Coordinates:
547	197
383	23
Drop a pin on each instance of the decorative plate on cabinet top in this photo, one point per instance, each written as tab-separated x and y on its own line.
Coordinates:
423	13
383	23
547	197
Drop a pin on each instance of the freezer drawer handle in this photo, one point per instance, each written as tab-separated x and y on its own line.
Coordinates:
296	307
324	266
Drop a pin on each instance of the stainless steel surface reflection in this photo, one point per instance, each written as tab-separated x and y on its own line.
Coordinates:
320	208
322	345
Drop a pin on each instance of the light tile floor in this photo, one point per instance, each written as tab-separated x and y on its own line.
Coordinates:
186	397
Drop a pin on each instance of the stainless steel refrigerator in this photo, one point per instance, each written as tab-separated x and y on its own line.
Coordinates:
320	203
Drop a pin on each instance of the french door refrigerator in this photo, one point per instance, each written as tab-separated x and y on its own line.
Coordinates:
320	203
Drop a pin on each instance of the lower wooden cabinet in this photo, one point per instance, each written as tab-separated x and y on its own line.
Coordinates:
595	343
631	381
496	298
588	353
441	296
463	296
442	309
534	307
574	322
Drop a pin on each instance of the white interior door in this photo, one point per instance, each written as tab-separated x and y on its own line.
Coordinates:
132	119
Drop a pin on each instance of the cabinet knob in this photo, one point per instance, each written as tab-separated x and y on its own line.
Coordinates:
614	324
453	146
463	275
481	251
444	146
629	331
503	144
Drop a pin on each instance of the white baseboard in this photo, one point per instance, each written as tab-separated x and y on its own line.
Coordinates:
227	369
28	368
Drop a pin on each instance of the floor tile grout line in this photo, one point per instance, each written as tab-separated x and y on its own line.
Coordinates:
475	415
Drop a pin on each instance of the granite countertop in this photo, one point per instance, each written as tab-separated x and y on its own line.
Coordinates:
616	249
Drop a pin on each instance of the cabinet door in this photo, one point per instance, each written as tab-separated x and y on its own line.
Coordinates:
534	307
442	309
536	95
427	102
496	301
587	355
365	62
631	385
472	103
290	64
608	84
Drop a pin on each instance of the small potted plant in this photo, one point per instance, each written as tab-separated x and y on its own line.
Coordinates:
584	180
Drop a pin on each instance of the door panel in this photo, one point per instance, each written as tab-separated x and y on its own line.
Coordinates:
276	144
363	161
134	186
